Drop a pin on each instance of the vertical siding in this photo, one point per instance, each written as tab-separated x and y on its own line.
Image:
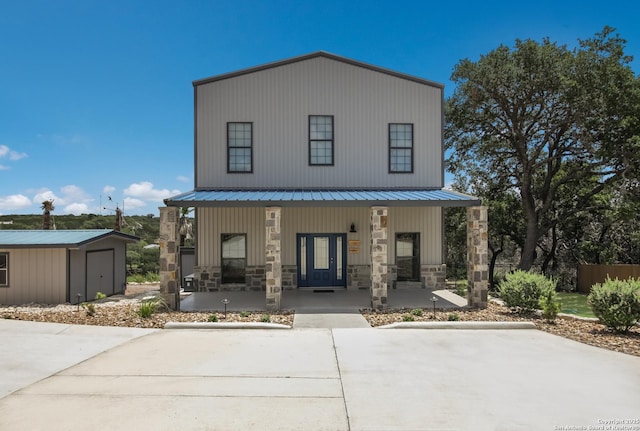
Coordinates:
278	101
36	275
214	221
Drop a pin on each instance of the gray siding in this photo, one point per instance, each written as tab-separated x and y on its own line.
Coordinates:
35	275
214	221
278	102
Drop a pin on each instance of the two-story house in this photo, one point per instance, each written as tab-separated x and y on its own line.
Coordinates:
319	172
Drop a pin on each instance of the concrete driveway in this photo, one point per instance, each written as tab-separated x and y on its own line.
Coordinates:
330	379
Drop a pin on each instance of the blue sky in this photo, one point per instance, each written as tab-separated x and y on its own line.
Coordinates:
96	97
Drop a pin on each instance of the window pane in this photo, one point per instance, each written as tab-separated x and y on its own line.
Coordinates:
239	143
233	246
400	160
303	257
408	256
321	253
321	140
234	258
339	258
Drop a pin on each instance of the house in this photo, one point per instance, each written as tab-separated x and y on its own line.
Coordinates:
58	266
319	172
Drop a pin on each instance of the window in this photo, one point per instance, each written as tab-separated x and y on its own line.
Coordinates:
408	256
234	258
321	140
240	147
4	269
401	148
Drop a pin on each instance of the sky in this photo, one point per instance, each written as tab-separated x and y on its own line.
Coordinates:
96	97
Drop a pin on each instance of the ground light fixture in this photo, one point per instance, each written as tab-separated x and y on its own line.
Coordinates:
434	299
225	301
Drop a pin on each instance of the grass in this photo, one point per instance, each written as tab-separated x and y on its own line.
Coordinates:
575	303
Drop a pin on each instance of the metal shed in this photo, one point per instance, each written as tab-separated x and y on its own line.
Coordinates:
58	266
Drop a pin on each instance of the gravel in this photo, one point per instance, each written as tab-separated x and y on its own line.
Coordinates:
121	310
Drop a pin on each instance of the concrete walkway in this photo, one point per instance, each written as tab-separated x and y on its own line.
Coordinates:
317	379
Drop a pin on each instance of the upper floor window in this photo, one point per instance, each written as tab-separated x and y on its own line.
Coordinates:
240	147
401	148
4	269
321	140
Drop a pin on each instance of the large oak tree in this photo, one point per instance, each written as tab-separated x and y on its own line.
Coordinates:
547	123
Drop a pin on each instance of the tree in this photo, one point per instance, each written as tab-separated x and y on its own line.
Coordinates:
543	121
47	207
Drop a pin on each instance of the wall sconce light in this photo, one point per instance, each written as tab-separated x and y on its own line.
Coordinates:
353	228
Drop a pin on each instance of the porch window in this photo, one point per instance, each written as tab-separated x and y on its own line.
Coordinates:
321	140
4	269
408	256
240	147
401	148
234	258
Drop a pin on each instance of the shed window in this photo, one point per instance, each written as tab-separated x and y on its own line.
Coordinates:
240	147
321	140
401	148
4	269
234	258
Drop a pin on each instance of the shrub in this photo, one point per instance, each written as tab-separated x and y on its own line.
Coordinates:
100	295
265	318
150	306
245	314
550	305
408	318
213	318
616	303
521	290
453	317
89	308
416	312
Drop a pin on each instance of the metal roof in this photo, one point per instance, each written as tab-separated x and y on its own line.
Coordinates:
58	238
310	198
317	54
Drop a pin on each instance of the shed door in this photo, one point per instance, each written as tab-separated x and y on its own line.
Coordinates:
100	267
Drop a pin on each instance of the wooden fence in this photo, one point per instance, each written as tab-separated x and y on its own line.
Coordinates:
588	275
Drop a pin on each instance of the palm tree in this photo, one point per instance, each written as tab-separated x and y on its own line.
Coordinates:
185	226
47	207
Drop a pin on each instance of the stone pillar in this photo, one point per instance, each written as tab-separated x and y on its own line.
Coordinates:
378	257
273	259
477	256
169	256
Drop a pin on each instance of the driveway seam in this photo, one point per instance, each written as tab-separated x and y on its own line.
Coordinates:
344	398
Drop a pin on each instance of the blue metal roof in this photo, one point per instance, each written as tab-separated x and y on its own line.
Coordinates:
336	197
57	238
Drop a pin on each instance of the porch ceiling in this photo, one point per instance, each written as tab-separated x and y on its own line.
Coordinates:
331	198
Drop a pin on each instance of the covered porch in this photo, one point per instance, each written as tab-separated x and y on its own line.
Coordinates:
276	220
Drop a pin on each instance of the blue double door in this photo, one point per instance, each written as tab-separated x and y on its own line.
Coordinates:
322	260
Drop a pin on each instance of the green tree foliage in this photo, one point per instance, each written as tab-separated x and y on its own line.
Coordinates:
551	126
616	303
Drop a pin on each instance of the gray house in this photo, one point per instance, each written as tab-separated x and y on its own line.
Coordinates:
318	172
54	266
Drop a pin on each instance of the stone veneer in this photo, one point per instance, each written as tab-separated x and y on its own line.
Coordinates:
169	256
433	276
379	234
358	276
273	257
477	257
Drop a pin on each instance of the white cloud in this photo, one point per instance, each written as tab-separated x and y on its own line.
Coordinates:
11	154
77	209
132	203
144	190
108	189
14	202
183	179
4	168
45	195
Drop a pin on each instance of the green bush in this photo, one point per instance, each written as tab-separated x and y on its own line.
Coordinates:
408	318
416	312
453	317
265	318
89	308
616	303
150	306
521	290
213	318
100	295
550	305
245	314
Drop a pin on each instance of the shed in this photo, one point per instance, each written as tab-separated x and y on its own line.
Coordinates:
58	266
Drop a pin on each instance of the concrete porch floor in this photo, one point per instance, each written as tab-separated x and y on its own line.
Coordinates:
310	301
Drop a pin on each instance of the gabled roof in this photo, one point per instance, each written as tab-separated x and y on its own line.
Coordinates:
333	198
58	238
317	54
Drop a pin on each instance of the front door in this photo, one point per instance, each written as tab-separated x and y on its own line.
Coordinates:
322	260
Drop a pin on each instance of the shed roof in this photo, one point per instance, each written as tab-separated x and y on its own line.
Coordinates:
58	238
311	198
318	54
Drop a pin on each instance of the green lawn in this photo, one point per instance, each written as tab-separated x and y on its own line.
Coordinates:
575	303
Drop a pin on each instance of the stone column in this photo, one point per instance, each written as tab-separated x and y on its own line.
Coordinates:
378	257
273	260
169	256
477	256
